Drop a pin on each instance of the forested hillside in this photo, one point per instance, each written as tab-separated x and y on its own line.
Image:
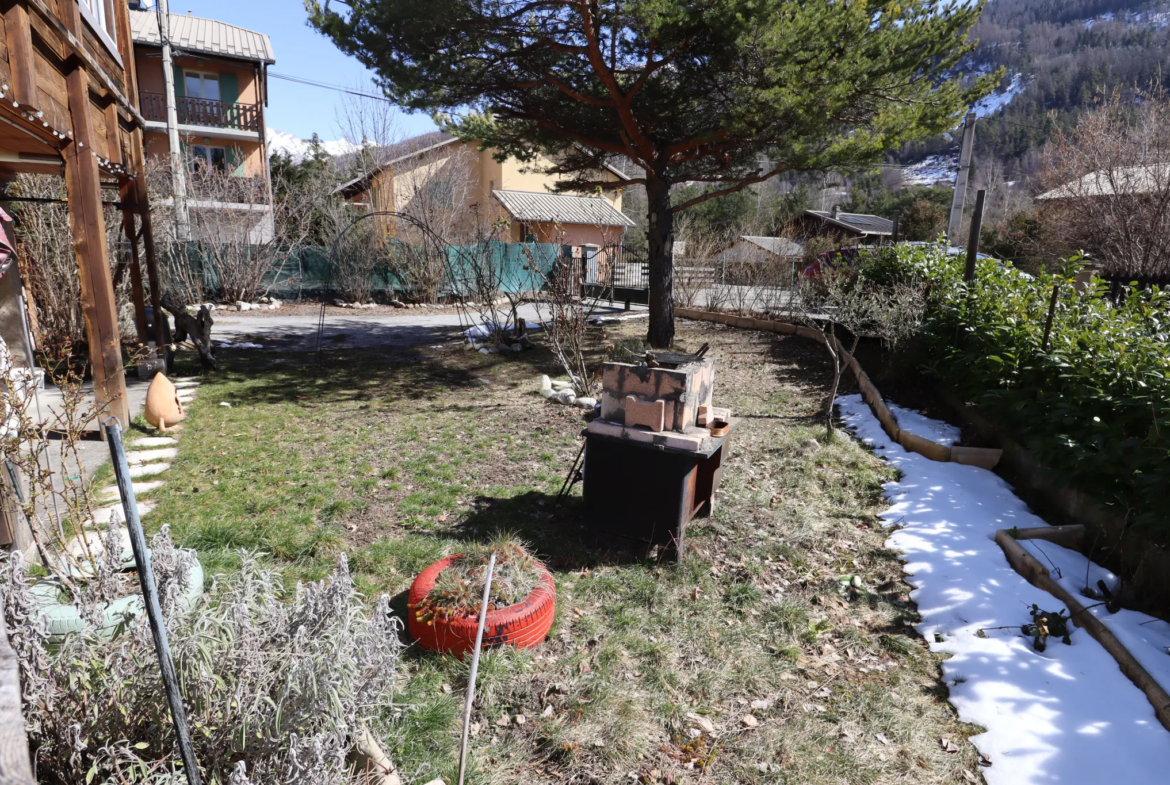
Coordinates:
1067	53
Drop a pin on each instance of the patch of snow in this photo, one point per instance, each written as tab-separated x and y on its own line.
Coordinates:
1065	715
297	149
1000	98
932	170
488	328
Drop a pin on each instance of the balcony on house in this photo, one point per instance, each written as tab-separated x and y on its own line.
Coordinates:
204	112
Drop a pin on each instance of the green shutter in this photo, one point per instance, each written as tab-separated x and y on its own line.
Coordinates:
229	93
235	161
229	88
180	88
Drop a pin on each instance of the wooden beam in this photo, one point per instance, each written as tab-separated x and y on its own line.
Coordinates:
83	188
137	157
113	138
129	193
72	40
21	62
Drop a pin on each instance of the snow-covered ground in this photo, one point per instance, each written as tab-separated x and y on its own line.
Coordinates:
932	170
1067	715
281	142
1001	98
1157	19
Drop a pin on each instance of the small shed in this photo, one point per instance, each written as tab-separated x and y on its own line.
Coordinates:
564	219
756	248
860	228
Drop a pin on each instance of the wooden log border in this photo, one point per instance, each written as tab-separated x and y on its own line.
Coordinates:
983	457
1037	575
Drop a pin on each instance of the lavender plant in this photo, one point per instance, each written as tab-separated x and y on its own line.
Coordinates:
277	689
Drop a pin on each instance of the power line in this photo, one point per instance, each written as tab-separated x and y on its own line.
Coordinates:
327	86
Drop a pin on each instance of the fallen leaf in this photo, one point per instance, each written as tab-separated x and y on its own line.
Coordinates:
948	745
969	776
520	719
984	760
702	722
749	721
441	518
504	721
578	612
599	743
762	705
548	711
882	738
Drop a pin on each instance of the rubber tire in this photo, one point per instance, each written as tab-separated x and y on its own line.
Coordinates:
65	619
523	625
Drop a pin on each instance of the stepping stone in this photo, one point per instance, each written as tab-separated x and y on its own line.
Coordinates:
186	384
154	441
185	379
147	469
144	456
93	537
139	488
103	515
186	395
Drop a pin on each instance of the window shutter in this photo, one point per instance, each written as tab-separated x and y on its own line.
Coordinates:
180	88
229	93
229	88
235	161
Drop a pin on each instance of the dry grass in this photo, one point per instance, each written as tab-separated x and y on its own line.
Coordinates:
401	462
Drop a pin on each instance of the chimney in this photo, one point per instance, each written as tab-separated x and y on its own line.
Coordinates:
836	211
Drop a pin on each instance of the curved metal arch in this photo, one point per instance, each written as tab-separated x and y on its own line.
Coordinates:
426	230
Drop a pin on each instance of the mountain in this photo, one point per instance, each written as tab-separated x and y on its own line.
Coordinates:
1060	56
297	149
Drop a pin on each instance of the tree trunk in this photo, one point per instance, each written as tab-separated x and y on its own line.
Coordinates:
660	237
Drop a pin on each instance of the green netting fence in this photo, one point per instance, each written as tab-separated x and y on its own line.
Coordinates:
307	273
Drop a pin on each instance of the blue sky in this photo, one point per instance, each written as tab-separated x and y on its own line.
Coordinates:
300	51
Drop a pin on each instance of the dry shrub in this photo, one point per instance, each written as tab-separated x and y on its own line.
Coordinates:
48	262
277	689
458	590
1107	187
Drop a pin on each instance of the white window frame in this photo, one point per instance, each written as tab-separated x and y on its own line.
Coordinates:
204	77
210	160
101	21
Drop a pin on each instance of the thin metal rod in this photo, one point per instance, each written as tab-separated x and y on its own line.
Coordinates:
487	587
158	625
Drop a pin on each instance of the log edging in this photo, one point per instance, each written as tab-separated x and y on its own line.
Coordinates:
983	457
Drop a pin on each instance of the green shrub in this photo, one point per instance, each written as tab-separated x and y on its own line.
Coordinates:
1091	404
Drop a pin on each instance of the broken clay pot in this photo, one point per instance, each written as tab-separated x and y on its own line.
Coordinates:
719	427
163	406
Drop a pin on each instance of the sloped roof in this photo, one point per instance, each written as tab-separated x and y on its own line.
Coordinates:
780	246
562	208
862	223
195	34
391	154
1124	181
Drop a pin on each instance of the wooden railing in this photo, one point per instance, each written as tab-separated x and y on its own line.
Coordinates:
201	111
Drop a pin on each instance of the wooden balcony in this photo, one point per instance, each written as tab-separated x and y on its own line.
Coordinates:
201	111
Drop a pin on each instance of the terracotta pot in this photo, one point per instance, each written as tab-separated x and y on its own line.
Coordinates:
719	427
523	625
163	407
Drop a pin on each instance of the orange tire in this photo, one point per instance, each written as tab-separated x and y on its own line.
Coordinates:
523	625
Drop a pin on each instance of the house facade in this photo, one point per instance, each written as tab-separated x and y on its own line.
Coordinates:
436	177
221	90
70	109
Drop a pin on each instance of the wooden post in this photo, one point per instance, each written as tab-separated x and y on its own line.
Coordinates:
129	193
160	336
973	240
23	78
894	231
83	187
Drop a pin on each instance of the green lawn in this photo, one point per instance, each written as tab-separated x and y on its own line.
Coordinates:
398	461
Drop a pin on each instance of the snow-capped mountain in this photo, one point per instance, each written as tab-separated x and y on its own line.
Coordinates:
281	142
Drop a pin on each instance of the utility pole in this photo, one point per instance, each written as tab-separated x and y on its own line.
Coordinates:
178	165
960	179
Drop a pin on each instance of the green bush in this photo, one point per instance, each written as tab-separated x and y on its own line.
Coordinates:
1092	404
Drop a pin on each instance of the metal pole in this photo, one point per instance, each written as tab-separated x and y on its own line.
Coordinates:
487	587
178	165
158	625
973	241
960	197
